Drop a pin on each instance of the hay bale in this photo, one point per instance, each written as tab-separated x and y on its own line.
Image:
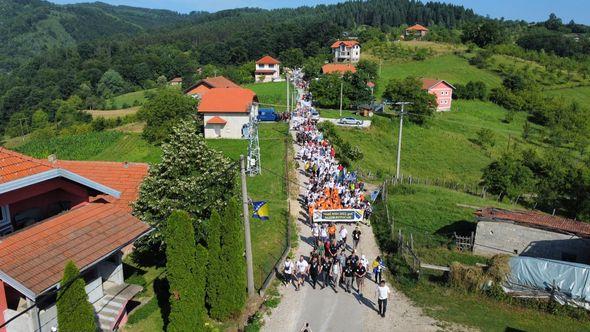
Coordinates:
498	268
467	277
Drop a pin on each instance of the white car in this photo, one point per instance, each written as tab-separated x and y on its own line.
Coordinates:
315	116
350	121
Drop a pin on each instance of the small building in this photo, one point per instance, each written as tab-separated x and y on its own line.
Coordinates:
206	84
267	69
177	81
52	212
531	233
227	111
338	68
442	90
346	51
416	31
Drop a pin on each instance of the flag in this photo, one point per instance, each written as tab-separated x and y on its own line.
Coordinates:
260	210
374	195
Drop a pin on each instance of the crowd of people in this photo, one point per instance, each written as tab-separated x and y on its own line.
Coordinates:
332	262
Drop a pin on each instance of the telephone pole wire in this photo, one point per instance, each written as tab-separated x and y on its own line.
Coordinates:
399	140
247	238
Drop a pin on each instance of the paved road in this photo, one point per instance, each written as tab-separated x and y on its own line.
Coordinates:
326	310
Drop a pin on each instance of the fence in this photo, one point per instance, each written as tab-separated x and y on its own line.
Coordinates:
272	272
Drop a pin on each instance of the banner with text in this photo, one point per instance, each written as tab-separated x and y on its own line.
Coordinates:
345	215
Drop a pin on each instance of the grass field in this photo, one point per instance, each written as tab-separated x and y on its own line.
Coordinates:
270	94
579	94
451	68
443	149
111	114
128	99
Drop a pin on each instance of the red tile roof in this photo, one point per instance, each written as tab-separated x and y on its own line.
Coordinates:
230	100
14	165
123	177
537	220
36	256
417	27
330	68
428	83
267	60
213	82
347	43
216	120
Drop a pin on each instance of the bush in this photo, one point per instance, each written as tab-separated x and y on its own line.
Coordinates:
485	138
74	311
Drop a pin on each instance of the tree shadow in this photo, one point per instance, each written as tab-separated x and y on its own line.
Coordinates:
461	227
147	256
308	239
162	291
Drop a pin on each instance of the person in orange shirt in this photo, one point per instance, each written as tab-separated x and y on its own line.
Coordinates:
332	231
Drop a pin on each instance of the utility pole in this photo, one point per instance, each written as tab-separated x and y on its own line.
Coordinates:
248	240
399	139
341	91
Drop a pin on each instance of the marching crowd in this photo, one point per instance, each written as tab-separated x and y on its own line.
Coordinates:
331	186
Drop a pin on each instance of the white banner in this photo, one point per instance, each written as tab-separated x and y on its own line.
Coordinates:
345	215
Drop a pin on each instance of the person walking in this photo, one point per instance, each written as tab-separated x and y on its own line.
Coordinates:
324	233
315	232
325	272
353	259
332	231
335	274
342	259
382	293
348	276
360	272
302	271
377	269
288	268
314	271
343	234
356	237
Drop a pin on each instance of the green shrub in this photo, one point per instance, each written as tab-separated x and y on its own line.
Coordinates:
74	311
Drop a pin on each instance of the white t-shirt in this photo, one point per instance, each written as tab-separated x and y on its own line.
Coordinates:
343	233
302	266
383	292
288	267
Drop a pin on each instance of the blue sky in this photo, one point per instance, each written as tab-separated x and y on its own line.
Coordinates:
530	10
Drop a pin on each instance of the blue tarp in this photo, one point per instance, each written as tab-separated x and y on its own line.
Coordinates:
571	280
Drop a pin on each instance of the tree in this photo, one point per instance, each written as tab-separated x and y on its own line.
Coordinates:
410	90
191	177
553	22
215	287
485	138
489	32
74	311
111	83
233	264
292	58
508	177
163	110
186	309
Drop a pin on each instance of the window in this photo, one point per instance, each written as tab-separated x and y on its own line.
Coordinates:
5	225
2	214
271	66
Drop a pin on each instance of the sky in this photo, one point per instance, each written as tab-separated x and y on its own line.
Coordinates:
529	10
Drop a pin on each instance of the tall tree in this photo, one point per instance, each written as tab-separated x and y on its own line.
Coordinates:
410	90
215	288
191	177
233	264
186	309
74	311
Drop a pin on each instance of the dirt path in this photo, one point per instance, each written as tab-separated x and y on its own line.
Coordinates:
326	310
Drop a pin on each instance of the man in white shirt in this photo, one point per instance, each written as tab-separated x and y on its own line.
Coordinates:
343	234
302	270
382	293
288	271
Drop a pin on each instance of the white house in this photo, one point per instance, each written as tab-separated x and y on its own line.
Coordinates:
346	51
267	69
226	111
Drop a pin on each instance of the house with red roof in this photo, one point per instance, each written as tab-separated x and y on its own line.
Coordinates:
202	86
338	68
346	51
177	81
442	90
416	31
227	111
531	233
268	69
52	212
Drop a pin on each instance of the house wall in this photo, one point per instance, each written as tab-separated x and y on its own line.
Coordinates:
444	96
348	54
233	127
495	237
270	77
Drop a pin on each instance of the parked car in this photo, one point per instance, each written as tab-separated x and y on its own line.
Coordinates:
350	121
267	114
315	115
